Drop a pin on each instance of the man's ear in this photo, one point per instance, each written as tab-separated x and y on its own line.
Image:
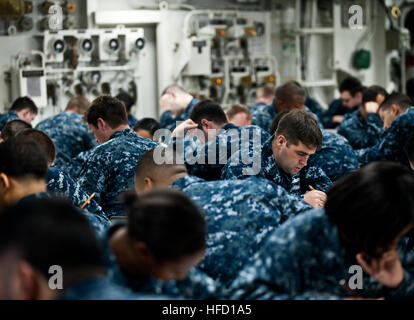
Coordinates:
280	140
4	181
27	282
101	124
396	110
205	124
148	184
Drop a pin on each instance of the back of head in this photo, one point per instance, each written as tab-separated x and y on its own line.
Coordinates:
174	88
126	99
399	99
372	206
47	232
108	108
276	120
43	140
168	222
291	94
158	164
22	158
79	104
23	103
149	124
238	108
208	110
300	126
371	94
351	84
267	92
13	127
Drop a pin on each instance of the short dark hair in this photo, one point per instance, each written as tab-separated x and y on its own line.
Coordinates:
48	232
399	99
13	127
371	93
22	157
409	147
351	84
173	88
300	126
126	99
371	206
109	109
268	91
149	124
78	104
276	120
43	140
169	223
238	108
23	103
290	91
209	110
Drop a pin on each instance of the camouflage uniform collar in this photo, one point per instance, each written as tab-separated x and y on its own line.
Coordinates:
186	181
123	132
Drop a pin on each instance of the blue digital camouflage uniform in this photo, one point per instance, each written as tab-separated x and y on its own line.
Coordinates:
101	288
97	222
74	166
206	160
305	259
264	166
314	107
336	157
132	121
263	115
69	134
239	214
359	133
168	121
197	285
7	117
60	184
336	108
391	145
109	169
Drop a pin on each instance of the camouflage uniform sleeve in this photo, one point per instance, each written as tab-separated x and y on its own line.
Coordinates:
167	120
317	178
260	280
198	285
93	174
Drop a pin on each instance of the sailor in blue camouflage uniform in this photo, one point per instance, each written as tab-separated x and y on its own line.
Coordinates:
358	246
283	159
205	155
239	213
288	96
109	169
363	127
336	157
172	230
22	109
68	132
398	117
28	228
361	134
176	105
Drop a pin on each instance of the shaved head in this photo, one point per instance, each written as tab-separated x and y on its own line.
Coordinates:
158	167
